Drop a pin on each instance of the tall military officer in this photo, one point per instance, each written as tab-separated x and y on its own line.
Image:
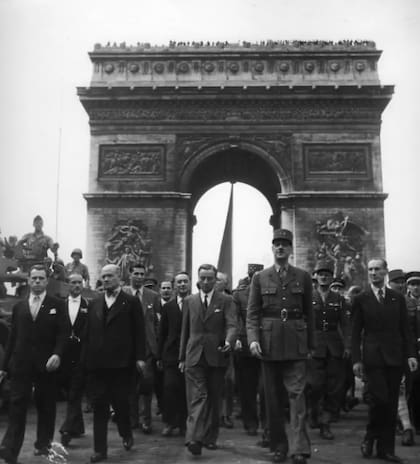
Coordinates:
280	329
327	368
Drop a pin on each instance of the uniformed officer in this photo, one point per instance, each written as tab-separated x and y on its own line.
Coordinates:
280	330
327	368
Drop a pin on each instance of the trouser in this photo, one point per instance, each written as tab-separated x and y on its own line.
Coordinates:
247	370
286	380
45	402
414	397
75	385
109	387
142	386
403	410
226	403
174	397
383	386
204	385
325	387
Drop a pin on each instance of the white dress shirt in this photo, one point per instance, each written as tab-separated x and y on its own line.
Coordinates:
209	296
74	305
375	291
110	299
35	303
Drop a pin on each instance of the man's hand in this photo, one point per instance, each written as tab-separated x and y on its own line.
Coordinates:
3	375
255	349
53	363
225	348
412	364
238	345
358	370
181	366
140	365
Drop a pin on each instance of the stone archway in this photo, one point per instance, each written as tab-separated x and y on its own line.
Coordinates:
299	121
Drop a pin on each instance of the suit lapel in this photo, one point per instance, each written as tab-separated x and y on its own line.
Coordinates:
80	316
44	308
100	307
212	306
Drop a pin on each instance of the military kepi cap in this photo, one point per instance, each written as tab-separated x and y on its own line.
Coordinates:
412	276
396	274
253	268
324	265
282	234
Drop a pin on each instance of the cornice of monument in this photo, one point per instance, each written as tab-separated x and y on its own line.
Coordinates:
276	63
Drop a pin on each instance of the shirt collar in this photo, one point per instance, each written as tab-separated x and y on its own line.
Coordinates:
209	295
375	290
76	299
41	295
279	268
114	294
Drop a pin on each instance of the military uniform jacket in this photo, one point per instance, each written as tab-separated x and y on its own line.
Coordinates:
380	333
205	330
280	315
413	308
331	325
32	342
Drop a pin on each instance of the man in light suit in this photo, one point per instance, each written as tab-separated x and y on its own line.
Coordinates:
113	346
280	329
381	348
33	354
144	383
208	334
72	372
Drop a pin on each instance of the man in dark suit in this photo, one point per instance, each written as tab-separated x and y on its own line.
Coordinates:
144	383
327	368
72	371
381	347
174	400
33	354
114	344
280	329
208	333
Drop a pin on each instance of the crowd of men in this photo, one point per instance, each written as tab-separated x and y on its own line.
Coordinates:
288	343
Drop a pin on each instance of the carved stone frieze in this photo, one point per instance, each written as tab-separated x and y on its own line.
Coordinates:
241	110
127	161
342	160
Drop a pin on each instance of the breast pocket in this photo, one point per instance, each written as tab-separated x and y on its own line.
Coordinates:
268	295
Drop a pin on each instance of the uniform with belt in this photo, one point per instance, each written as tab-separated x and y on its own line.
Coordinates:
327	368
280	320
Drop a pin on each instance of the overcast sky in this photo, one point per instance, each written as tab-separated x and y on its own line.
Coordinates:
43	56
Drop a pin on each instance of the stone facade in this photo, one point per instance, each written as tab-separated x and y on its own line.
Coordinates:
299	121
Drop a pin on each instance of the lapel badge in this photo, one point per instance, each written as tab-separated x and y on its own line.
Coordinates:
53	311
83	310
217	310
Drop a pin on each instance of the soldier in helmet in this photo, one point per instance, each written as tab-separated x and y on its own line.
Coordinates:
327	368
77	267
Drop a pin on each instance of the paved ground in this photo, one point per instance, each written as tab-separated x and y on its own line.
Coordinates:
234	445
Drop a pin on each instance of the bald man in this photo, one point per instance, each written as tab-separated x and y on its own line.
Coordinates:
114	346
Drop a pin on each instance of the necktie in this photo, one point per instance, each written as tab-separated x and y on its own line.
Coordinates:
36	303
181	303
206	303
381	296
282	273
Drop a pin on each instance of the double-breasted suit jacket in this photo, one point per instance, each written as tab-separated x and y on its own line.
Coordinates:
115	336
280	314
332	331
32	342
380	333
170	333
205	330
